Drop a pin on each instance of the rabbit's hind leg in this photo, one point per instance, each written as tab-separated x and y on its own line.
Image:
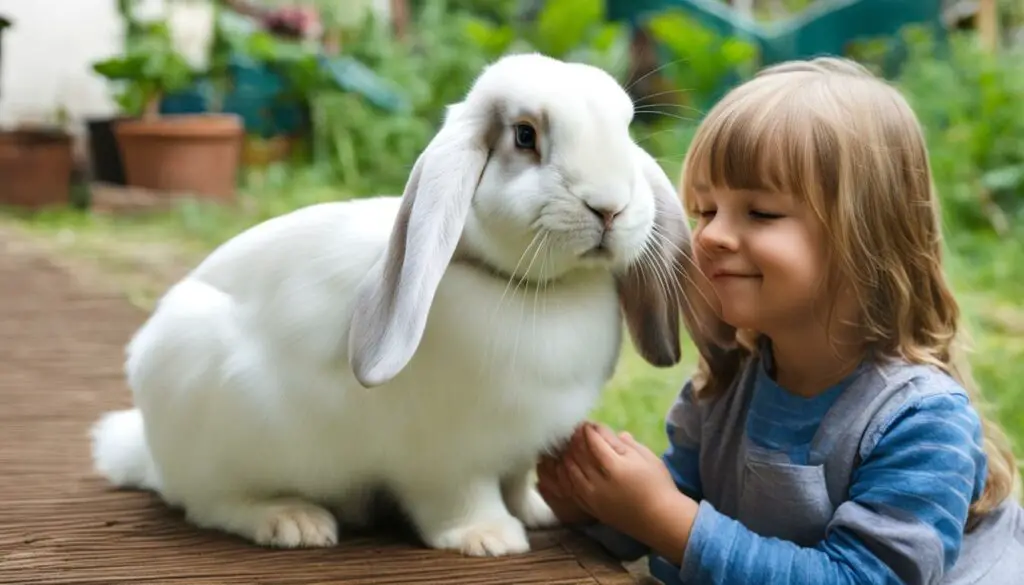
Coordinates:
277	522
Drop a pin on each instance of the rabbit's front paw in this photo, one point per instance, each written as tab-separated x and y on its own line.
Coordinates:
493	537
530	507
282	523
295	523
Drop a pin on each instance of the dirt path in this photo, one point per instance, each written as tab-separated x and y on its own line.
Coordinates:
61	345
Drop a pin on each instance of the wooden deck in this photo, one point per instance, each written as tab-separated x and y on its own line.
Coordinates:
61	350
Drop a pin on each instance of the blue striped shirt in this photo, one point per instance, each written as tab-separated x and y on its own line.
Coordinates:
903	521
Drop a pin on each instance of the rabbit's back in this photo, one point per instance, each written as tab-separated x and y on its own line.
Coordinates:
293	278
320	245
241	371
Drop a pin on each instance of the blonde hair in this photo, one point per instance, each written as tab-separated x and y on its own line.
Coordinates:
851	147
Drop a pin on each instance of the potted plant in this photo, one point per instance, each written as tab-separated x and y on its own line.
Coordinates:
35	167
192	154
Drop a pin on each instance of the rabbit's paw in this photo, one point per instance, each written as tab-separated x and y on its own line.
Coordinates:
282	523
492	537
530	507
294	524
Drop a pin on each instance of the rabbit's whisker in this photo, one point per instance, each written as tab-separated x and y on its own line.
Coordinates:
659	108
686	276
522	306
537	290
501	300
653	134
640	101
652	72
651	263
519	262
671	159
668	115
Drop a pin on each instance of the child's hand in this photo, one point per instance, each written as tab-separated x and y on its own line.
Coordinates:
554	486
620	481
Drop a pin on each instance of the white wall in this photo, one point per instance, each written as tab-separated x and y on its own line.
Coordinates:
46	57
48	52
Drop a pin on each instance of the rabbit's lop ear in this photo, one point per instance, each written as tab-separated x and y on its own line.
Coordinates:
391	308
663	286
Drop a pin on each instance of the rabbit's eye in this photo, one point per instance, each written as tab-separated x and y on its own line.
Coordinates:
526	136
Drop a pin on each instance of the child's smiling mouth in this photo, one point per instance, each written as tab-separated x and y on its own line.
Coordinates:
729	275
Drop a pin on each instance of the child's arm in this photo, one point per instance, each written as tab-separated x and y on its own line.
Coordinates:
682	459
903	523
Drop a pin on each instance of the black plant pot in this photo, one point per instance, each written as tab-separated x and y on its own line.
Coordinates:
104	155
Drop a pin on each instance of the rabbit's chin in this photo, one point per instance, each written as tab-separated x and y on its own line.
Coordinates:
546	273
549	234
555	258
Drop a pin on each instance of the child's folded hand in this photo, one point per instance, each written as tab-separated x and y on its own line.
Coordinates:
619	480
554	486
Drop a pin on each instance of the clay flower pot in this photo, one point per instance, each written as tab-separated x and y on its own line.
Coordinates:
35	168
193	155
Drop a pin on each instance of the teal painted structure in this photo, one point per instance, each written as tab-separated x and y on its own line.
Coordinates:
825	28
261	95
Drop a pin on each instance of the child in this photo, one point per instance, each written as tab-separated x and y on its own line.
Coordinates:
836	442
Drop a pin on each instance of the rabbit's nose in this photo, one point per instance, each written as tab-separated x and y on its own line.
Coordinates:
606	214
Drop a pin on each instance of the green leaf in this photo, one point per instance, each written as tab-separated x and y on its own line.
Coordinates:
120	68
1005	178
494	40
606	37
562	24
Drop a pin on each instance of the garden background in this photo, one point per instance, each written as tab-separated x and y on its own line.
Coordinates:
352	127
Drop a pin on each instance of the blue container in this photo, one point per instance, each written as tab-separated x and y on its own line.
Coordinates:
193	100
257	94
262	98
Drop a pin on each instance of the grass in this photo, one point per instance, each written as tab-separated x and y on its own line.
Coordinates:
142	256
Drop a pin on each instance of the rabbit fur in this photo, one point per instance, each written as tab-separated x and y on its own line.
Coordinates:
431	345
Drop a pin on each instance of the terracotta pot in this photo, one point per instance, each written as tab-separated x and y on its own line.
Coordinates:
35	168
194	155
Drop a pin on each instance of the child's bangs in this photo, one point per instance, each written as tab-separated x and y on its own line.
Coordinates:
758	142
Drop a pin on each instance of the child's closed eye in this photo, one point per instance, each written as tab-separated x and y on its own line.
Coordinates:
764	215
706	213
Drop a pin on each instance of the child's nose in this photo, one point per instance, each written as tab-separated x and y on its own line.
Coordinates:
718	234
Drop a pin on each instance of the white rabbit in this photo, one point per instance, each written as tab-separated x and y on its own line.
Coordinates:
431	345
